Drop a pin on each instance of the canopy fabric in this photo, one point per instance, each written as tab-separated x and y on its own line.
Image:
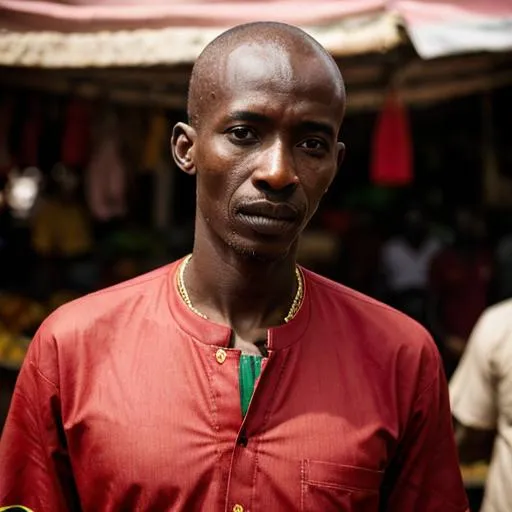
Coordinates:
371	32
457	26
94	15
110	33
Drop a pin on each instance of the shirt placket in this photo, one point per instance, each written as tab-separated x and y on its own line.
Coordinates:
226	396
242	494
239	449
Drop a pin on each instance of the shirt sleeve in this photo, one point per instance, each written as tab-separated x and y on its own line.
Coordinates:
34	465
424	474
471	387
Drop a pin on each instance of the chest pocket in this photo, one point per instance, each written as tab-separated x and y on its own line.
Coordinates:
332	487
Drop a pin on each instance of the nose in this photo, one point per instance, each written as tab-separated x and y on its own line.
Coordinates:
276	172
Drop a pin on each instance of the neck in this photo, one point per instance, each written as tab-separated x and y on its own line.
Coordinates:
246	294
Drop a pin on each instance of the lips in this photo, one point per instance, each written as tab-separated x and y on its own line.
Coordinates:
268	218
276	211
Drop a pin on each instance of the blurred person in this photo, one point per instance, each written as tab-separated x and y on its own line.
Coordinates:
233	379
460	281
406	260
503	271
481	400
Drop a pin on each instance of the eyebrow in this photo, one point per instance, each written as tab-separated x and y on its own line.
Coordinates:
317	126
247	115
254	117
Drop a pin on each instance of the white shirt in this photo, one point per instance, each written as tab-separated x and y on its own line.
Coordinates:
406	267
481	397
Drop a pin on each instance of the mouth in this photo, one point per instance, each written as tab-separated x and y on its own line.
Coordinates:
275	211
268	218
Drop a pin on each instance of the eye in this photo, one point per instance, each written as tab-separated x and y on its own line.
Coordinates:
242	134
314	145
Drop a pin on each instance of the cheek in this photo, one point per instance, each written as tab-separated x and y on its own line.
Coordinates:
212	195
217	154
218	174
315	180
212	164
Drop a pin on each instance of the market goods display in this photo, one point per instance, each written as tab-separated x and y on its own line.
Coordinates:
20	317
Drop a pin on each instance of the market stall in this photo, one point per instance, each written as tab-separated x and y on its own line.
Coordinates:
89	86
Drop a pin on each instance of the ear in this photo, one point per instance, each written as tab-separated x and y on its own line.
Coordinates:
182	147
341	155
340	147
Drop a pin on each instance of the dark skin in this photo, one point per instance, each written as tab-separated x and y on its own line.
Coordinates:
264	149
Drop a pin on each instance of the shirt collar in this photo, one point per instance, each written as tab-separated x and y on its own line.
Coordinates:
211	333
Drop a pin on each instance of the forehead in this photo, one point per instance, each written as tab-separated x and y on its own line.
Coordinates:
289	77
286	67
251	64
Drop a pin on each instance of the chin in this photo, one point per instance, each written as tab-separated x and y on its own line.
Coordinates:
260	252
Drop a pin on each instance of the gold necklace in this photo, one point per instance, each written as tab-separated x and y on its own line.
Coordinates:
294	308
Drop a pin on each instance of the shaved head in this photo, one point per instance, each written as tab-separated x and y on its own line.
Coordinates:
224	56
266	105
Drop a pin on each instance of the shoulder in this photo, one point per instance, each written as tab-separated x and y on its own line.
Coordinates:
377	323
493	327
476	386
106	305
434	244
498	314
78	332
393	245
371	334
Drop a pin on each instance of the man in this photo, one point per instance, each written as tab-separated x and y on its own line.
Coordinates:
140	397
481	397
406	260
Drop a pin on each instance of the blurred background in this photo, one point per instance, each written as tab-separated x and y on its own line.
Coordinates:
420	215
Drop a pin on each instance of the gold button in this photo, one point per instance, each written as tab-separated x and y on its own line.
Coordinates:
238	508
221	355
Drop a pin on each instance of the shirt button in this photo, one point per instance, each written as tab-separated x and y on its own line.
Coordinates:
221	355
238	508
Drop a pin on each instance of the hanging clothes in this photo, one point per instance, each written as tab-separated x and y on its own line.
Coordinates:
31	134
392	153
76	139
106	175
6	113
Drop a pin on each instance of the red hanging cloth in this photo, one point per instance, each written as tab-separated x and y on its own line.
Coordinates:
76	140
391	158
31	135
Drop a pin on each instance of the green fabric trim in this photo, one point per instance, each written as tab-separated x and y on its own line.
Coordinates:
250	370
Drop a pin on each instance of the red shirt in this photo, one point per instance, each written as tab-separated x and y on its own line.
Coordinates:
126	402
